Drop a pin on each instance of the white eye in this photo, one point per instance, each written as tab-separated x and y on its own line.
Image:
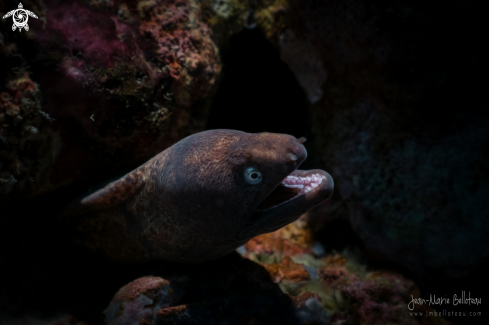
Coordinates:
252	175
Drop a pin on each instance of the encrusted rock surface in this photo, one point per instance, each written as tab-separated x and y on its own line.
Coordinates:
22	153
344	291
287	281
233	290
120	83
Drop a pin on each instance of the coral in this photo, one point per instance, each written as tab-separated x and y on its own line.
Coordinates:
121	81
333	287
21	116
22	150
177	58
227	17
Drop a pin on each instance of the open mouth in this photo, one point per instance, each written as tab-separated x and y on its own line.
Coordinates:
298	183
296	194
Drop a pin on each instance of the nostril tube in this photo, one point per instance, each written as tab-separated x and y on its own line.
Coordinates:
291	156
301	140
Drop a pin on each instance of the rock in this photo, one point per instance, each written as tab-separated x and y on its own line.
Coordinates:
309	69
142	299
120	82
22	154
413	200
398	117
232	290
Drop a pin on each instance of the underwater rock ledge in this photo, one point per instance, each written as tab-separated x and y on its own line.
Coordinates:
120	82
398	114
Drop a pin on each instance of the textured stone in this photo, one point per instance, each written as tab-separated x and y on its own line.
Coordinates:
399	121
233	290
121	81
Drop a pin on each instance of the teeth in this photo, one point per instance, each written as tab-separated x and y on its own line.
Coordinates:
294	186
304	183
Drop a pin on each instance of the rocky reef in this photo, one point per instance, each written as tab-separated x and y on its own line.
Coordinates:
118	84
21	116
284	278
397	113
346	291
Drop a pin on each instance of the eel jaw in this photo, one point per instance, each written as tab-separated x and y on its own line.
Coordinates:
296	194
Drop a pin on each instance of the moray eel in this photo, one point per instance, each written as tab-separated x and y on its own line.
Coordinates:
201	198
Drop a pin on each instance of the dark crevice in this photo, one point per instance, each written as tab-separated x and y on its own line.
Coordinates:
258	92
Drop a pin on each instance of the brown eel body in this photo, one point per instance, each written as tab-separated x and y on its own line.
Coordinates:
201	198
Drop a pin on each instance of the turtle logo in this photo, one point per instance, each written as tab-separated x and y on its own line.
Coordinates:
20	17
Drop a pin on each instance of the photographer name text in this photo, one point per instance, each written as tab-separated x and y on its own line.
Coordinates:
456	300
